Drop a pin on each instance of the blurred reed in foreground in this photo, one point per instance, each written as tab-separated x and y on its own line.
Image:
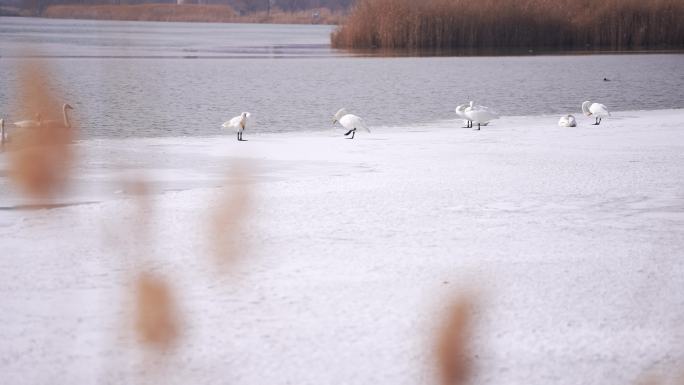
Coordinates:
451	348
538	24
40	156
227	219
156	319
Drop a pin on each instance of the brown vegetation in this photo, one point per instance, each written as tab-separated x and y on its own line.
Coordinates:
453	339
156	322
553	24
187	13
40	157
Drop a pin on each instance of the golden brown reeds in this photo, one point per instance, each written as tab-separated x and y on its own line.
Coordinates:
156	319
538	24
40	156
227	220
451	349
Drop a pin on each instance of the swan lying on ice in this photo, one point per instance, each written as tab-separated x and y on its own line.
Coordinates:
567	121
350	122
597	110
238	123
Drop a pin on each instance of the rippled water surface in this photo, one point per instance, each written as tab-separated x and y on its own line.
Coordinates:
167	79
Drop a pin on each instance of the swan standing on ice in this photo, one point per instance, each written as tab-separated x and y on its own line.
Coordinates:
460	111
480	114
239	123
349	121
597	110
567	121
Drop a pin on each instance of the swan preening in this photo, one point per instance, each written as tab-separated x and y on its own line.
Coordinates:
596	110
567	121
238	123
349	121
460	111
479	114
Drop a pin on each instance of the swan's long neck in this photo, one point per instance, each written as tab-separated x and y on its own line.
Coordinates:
585	108
67	124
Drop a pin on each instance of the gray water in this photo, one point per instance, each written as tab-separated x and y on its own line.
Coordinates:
148	79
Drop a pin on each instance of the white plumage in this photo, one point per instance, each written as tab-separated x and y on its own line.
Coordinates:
39	122
65	123
567	121
350	122
597	110
239	124
460	112
29	123
480	114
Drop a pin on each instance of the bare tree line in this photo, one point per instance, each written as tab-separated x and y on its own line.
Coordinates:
238	5
552	24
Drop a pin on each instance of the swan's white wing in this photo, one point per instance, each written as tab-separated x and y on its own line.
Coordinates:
460	111
350	121
481	114
599	110
27	123
232	123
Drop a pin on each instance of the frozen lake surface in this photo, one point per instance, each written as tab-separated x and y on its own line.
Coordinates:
571	236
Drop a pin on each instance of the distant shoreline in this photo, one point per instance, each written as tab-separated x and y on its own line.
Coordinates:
178	13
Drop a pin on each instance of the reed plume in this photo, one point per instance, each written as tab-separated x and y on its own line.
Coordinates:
40	156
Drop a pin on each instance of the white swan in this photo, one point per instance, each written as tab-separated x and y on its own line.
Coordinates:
238	123
349	121
567	121
65	123
29	123
480	114
39	122
460	112
597	110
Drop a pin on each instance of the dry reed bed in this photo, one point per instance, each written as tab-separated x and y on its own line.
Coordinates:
186	13
553	24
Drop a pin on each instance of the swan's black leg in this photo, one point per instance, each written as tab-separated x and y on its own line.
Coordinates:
353	132
349	132
478	126
238	135
600	120
467	124
596	123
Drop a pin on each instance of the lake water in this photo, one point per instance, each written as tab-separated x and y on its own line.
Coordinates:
147	79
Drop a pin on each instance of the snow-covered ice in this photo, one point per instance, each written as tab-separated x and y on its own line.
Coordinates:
572	238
